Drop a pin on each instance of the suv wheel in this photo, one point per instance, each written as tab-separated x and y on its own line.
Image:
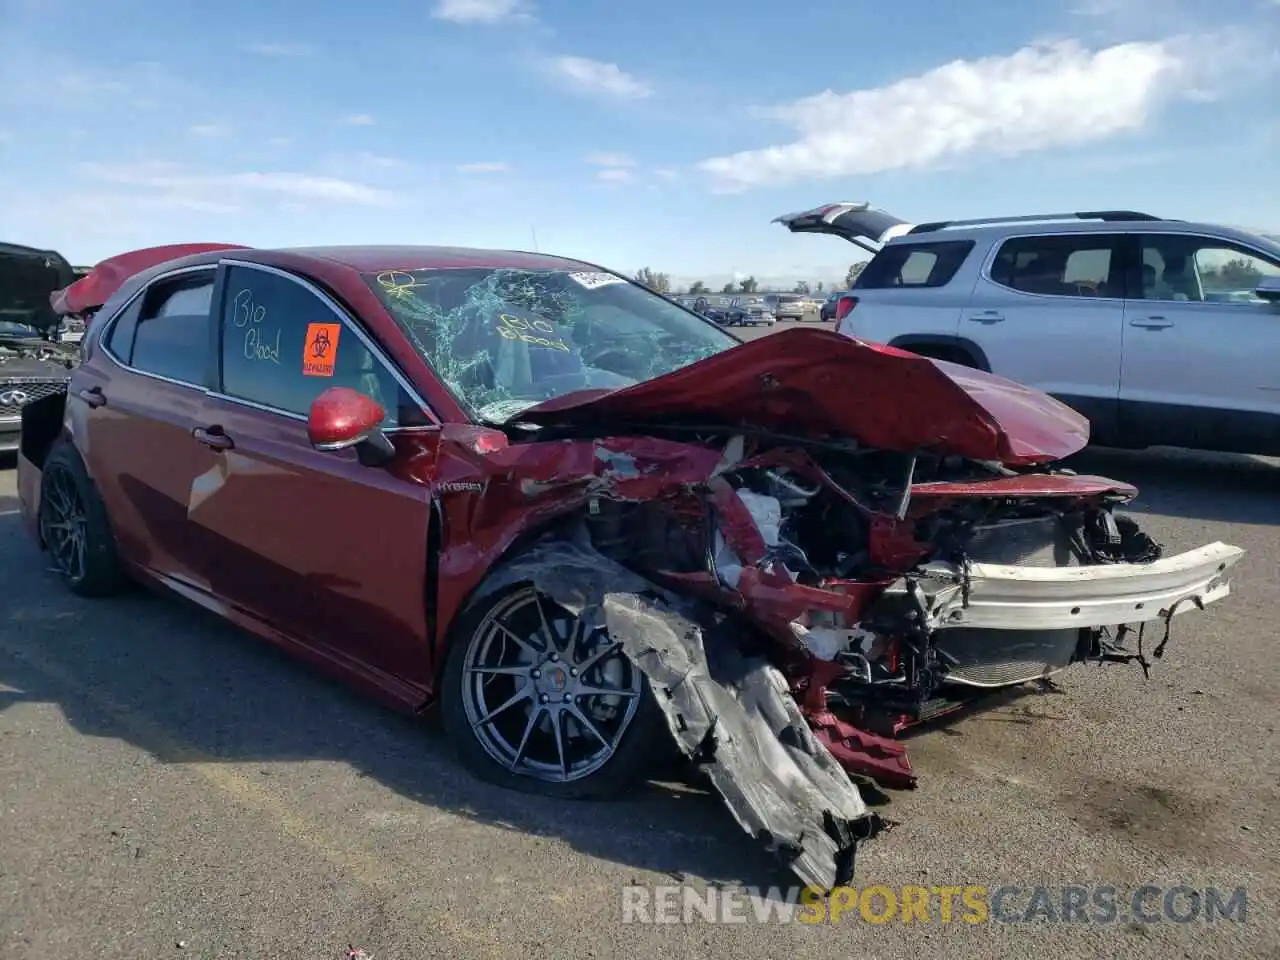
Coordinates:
949	354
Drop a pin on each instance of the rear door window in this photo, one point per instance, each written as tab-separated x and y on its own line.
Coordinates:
165	332
1066	265
282	346
915	265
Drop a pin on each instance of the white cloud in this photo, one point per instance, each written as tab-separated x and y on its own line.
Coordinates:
180	183
272	49
1039	97
609	160
480	11
666	173
596	77
614	175
359	120
207	130
492	166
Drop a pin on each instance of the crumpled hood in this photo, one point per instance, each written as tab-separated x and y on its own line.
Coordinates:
822	384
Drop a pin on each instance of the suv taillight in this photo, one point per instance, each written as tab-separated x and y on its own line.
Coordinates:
844	307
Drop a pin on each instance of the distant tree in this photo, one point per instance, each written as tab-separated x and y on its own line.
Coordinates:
802	287
853	273
728	287
657	282
699	287
818	288
749	285
1235	274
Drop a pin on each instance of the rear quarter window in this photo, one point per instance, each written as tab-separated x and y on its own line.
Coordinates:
914	265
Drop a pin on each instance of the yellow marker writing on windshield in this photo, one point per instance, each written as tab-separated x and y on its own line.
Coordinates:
517	328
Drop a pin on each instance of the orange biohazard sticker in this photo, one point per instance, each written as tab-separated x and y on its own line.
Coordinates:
320	349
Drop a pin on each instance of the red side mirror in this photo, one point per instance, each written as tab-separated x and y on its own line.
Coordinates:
341	417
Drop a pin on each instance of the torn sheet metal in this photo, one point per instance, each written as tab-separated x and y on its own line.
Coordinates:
731	713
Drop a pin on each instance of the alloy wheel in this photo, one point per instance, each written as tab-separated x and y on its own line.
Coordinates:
64	523
546	696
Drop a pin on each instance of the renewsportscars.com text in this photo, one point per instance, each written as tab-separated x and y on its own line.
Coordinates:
968	904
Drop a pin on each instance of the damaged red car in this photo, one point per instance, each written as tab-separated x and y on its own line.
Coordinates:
585	522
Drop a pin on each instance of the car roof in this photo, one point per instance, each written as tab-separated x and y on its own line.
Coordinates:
1049	228
330	262
376	258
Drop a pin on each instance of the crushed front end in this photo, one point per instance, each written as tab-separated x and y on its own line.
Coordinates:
760	582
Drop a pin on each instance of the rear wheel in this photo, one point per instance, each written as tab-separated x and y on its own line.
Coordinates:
74	527
534	700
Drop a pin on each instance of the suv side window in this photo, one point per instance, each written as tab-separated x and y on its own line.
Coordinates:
1064	265
281	347
914	265
166	330
1180	267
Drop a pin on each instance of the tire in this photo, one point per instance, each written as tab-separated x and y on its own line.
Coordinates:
74	527
487	749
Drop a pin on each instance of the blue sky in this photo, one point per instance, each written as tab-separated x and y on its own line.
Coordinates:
666	134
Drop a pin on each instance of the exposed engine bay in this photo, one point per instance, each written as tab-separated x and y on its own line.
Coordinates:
848	523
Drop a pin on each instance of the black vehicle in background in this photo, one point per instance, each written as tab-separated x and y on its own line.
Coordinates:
827	312
33	363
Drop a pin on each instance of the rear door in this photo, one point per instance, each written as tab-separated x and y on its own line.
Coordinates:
137	402
858	222
1048	311
1200	349
313	543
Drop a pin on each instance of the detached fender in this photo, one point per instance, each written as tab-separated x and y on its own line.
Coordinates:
730	713
933	344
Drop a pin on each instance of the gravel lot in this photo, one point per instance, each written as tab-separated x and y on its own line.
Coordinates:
172	787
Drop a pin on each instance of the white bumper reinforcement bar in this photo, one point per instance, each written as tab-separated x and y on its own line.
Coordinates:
1004	597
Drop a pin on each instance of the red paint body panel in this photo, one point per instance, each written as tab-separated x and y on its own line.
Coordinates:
818	383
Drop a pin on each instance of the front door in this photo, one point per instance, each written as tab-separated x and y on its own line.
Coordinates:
136	404
324	549
1200	348
1048	312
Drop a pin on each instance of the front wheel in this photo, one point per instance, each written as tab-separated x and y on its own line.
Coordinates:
534	700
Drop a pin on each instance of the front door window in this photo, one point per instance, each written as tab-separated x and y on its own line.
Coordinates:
282	346
1201	269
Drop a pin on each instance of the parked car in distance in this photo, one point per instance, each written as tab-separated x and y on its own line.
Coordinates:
790	306
827	312
1162	332
531	493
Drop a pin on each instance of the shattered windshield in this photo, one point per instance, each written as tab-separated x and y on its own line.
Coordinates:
504	340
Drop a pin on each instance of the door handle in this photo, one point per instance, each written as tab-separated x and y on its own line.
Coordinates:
987	316
93	396
1151	323
213	437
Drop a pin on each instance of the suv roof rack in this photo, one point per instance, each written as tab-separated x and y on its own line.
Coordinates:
1105	215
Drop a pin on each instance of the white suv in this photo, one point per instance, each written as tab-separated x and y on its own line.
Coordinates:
1159	331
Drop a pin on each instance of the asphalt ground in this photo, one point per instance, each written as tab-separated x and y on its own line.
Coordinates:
170	786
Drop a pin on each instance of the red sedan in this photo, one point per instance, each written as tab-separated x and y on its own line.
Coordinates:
585	521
